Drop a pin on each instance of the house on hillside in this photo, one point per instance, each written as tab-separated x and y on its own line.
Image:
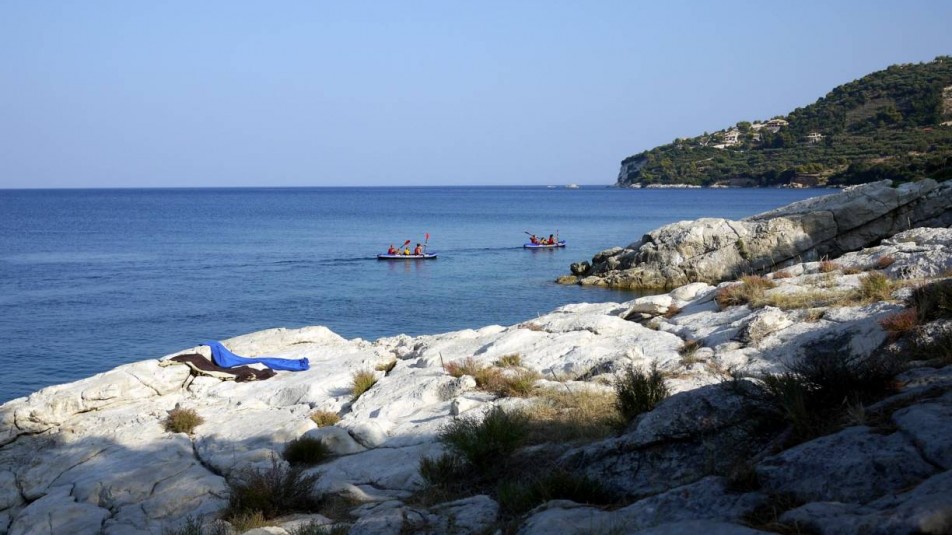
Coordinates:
774	125
814	137
727	139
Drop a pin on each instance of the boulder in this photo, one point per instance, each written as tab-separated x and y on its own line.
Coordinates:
854	465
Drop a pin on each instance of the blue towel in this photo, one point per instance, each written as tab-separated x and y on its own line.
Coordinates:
227	359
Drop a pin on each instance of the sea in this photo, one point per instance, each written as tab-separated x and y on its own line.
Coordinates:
91	279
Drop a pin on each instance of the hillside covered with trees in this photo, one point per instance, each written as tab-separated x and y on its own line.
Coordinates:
895	123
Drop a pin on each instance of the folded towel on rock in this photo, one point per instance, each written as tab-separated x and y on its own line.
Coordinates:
227	359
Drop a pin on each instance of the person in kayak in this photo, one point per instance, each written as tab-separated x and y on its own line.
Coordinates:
392	250
406	251
418	250
533	240
551	240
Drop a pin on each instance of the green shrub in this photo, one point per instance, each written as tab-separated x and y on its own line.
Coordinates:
183	420
935	346
446	470
483	444
362	381
313	528
306	450
518	497
194	526
815	393
273	492
639	392
325	418
933	301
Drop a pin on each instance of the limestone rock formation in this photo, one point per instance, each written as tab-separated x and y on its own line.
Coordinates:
713	250
93	456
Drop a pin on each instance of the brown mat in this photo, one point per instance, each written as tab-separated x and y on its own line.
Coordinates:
202	366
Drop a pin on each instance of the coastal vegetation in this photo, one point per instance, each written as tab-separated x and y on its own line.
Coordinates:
181	420
306	450
361	382
891	124
325	418
639	391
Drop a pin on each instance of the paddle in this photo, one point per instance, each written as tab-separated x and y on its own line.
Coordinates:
426	237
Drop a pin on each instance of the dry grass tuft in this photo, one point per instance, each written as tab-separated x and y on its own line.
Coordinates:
827	266
751	288
561	415
325	418
532	326
509	361
362	381
512	382
884	262
386	367
673	310
782	274
852	270
518	384
246	521
875	287
901	322
467	366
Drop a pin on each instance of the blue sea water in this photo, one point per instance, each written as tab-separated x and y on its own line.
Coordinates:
91	279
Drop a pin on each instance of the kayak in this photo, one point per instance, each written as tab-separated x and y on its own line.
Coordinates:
424	256
560	243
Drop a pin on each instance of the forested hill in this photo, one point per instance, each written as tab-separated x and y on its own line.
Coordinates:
895	123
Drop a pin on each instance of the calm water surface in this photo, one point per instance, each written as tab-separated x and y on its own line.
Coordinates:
90	279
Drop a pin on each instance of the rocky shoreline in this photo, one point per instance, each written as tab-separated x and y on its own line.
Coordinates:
715	249
721	454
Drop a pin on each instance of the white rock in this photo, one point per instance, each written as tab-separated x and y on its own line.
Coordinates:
58	512
696	291
476	514
9	490
650	304
853	465
371	433
337	440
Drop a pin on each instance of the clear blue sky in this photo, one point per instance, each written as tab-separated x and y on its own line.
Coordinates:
230	93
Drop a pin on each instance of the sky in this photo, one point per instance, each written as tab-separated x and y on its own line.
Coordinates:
424	92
